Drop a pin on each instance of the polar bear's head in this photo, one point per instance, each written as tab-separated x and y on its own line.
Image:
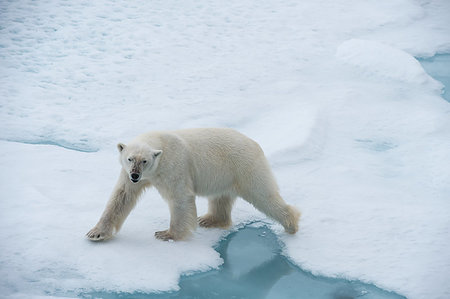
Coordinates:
138	160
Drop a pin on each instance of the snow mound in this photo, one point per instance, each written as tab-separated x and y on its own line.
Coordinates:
378	59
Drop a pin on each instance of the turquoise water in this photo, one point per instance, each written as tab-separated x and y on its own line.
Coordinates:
438	67
255	268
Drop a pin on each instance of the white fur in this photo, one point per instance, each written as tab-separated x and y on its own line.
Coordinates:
221	164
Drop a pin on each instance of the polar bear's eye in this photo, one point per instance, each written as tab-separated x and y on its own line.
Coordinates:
145	161
129	159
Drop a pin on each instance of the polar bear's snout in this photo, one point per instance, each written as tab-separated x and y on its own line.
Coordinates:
135	177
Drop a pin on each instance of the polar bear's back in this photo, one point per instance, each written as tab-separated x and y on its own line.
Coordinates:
223	160
217	160
216	138
221	146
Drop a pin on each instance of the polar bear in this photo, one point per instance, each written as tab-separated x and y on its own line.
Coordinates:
220	164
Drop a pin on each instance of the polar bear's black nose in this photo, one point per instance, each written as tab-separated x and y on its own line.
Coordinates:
135	176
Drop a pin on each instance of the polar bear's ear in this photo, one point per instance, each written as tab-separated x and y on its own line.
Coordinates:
121	147
157	153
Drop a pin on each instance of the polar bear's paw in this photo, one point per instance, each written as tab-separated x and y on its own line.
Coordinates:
164	235
210	221
97	234
291	222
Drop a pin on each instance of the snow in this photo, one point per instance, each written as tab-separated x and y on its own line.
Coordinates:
355	129
371	56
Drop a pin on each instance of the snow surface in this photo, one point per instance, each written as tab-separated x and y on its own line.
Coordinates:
356	131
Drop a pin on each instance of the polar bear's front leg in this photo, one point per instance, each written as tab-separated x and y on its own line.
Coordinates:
183	219
122	201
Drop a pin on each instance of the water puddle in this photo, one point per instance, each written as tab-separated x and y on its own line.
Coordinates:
438	67
255	268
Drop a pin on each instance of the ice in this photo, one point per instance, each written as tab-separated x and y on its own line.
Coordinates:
254	268
356	131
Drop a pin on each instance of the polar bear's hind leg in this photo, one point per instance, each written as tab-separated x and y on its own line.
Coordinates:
262	192
219	212
276	208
